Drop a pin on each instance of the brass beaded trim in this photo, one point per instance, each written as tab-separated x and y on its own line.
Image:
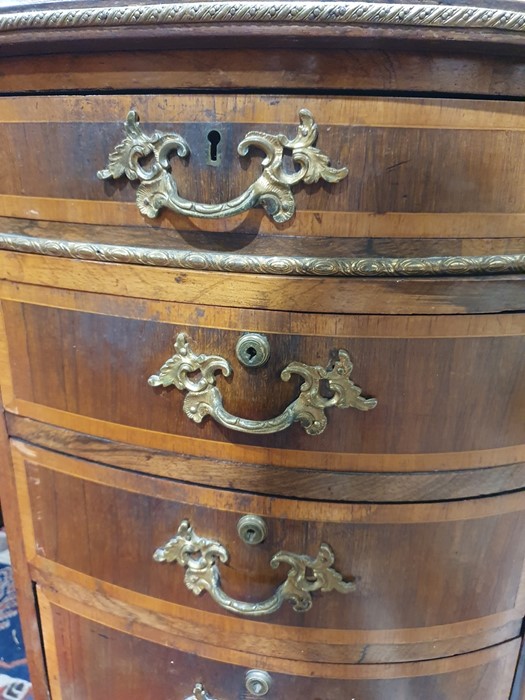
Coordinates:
338	13
269	265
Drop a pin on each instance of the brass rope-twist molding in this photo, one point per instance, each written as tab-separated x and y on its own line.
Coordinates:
201	558
196	375
272	189
402	14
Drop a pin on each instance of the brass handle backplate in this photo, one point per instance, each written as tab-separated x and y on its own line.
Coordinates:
204	398
201	558
272	189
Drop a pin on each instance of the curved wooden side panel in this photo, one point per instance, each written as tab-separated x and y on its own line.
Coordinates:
135	660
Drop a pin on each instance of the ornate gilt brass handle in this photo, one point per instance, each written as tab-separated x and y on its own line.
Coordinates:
272	190
204	398
201	557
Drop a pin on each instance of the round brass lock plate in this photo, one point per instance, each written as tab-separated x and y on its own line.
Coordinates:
253	349
258	683
252	529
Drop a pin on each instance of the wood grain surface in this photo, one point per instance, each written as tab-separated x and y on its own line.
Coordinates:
451	594
267	479
415	165
128	664
432	410
26	600
457	295
422	500
292	69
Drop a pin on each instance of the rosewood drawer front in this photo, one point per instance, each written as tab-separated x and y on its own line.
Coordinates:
94	364
428	580
416	166
152	664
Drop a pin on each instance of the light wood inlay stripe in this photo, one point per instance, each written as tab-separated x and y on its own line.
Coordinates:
97	606
281	111
183	316
182	616
50	644
305	222
271	508
334	461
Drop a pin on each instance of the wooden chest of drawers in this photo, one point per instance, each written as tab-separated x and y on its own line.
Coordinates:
262	348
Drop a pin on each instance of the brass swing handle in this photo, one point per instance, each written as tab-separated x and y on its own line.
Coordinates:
204	398
201	557
272	189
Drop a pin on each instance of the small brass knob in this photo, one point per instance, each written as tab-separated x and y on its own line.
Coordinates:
258	683
252	529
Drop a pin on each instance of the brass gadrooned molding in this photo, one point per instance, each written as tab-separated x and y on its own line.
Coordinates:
452	265
408	14
272	189
204	398
201	558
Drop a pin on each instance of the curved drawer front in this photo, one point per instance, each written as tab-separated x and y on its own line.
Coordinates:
417	167
428	580
450	392
153	664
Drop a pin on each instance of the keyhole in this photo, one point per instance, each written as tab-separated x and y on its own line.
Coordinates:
214	138
251	352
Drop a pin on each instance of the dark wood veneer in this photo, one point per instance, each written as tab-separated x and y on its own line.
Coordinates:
127	665
431	391
421	499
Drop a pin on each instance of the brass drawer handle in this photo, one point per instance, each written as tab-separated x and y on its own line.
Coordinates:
201	557
272	190
199	693
257	684
204	398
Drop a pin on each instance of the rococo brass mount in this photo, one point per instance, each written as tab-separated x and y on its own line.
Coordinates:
272	189
200	557
204	398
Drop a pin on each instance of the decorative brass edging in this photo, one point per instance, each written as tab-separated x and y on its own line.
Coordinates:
267	264
200	557
272	190
261	12
308	409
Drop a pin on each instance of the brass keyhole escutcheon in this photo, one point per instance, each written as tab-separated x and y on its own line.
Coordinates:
252	529
214	138
253	350
258	683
